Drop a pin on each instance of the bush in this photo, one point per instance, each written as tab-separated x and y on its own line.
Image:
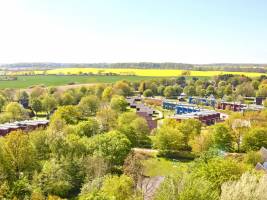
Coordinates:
252	158
255	139
148	93
87	128
179	155
247	187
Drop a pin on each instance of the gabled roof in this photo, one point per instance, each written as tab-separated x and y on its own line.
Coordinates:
259	166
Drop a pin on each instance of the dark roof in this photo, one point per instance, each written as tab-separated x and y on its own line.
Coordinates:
21	124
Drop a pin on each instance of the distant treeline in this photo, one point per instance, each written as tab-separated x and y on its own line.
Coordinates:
251	68
262	68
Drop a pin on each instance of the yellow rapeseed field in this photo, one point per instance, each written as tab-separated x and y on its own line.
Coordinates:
144	72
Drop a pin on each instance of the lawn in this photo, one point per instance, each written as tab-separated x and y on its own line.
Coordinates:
163	167
144	72
53	80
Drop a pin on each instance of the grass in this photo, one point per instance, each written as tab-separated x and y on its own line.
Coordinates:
162	167
53	80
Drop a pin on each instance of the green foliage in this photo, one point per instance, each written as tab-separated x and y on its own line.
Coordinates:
262	92
107	93
94	196
6	117
246	89
87	128
122	88
174	136
36	105
190	90
228	90
255	84
88	106
38	138
118	187
255	139
4	190
49	103
112	146
169	92
222	137
95	167
2	102
189	128
69	114
74	146
148	93
202	142
160	90
192	189
178	89
118	103
252	158
109	188
21	188
185	186
17	156
210	90
107	118
67	99
219	170
16	111
135	128
169	139
99	90
53	179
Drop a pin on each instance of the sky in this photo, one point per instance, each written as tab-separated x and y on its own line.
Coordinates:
92	31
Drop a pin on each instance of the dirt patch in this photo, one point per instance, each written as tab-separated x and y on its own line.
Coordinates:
62	88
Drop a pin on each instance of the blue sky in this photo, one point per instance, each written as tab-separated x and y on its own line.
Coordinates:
191	31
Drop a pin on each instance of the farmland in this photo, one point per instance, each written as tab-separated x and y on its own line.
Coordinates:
66	76
139	72
54	80
108	132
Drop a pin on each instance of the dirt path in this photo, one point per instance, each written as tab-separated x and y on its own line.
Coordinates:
143	150
65	87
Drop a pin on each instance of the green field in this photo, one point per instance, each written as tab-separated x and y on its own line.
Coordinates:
53	80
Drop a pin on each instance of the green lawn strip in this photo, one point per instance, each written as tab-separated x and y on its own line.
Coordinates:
155	166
